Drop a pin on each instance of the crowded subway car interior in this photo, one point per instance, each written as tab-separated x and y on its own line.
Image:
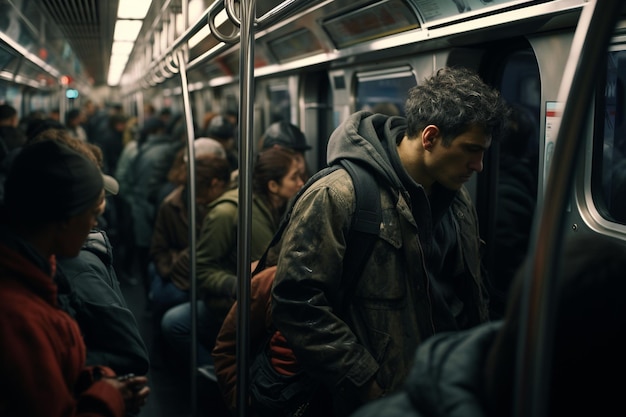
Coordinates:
165	88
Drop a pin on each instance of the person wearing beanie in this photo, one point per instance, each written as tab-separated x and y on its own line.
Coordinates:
53	198
89	290
286	135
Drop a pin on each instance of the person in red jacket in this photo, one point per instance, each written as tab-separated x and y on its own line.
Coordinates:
53	196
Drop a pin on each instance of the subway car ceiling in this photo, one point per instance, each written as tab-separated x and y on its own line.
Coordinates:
334	33
37	47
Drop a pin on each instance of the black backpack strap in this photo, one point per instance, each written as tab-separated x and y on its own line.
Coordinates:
365	226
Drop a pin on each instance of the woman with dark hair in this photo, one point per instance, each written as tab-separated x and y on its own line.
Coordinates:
275	180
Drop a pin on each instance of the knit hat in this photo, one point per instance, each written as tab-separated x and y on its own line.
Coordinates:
285	134
220	128
52	182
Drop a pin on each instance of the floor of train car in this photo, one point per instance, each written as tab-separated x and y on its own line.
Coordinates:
170	385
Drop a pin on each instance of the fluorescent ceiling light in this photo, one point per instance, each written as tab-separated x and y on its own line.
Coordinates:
116	68
114	76
118	61
133	9
122	48
127	30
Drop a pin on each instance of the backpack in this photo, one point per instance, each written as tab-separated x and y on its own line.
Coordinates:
271	393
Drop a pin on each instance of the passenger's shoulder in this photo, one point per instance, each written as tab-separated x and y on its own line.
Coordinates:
98	244
337	182
333	191
226	205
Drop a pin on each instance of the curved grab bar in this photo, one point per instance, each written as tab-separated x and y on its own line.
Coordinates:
171	64
233	37
164	70
156	78
231	12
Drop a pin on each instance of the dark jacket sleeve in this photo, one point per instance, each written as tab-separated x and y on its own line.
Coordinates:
109	327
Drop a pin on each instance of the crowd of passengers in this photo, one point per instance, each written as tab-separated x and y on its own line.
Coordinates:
103	184
146	220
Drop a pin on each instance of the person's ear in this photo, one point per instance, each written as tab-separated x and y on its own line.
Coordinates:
430	134
273	186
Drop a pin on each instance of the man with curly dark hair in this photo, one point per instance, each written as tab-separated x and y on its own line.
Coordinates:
424	274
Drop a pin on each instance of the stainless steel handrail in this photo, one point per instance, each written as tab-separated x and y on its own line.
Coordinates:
191	203
208	17
246	92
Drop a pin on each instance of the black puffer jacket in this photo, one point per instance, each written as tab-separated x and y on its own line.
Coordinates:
90	292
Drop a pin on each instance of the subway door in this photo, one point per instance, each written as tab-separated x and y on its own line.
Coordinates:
317	118
507	188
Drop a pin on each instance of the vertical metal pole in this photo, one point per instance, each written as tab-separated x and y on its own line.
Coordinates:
246	90
141	117
62	104
535	349
191	203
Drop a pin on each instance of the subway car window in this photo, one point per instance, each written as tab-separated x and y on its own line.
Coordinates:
383	92
9	94
280	103
232	103
609	194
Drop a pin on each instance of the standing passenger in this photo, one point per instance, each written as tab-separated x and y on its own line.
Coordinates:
147	173
125	261
515	207
11	136
424	275
42	360
74	120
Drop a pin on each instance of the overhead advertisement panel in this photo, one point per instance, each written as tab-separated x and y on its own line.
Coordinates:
382	18
442	11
